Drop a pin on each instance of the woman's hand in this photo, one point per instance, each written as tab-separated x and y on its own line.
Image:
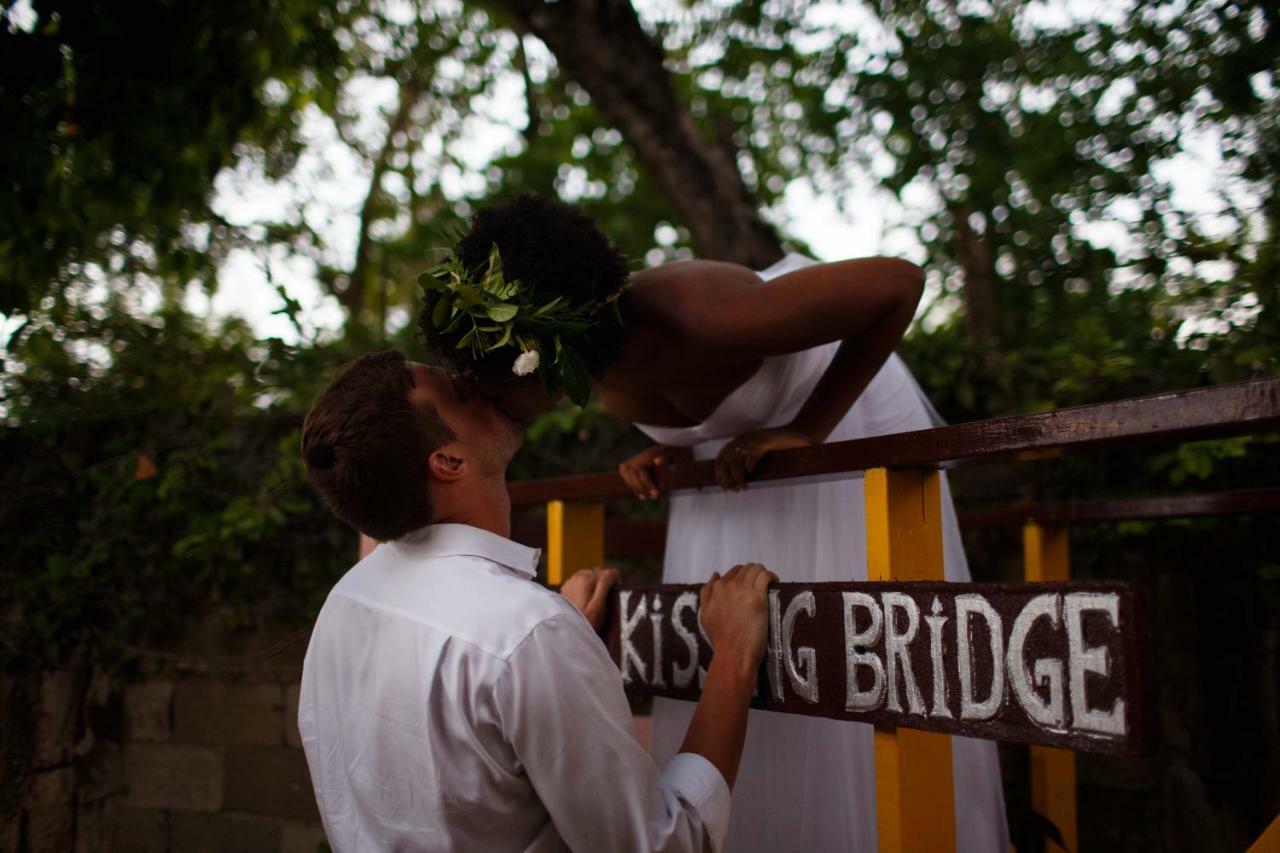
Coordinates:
637	472
587	591
738	458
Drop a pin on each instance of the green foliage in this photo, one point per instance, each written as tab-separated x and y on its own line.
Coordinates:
1197	462
570	152
1038	147
118	121
145	472
1026	141
485	312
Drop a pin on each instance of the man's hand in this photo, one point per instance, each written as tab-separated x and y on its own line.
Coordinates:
637	472
735	616
738	458
587	590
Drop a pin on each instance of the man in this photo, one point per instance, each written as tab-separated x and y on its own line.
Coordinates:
448	701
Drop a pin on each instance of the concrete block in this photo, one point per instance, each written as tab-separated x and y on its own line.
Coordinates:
231	714
93	833
210	633
51	830
10	830
223	832
57	718
270	781
292	737
171	776
148	711
139	831
101	773
50	789
102	828
303	838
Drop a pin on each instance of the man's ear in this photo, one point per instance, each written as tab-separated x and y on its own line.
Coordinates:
446	465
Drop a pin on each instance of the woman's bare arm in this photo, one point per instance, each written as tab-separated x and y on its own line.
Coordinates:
726	309
866	304
854	366
722	313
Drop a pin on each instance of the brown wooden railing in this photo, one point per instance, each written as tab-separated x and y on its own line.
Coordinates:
1244	408
914	797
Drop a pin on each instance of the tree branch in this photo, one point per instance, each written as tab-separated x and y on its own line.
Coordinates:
534	122
353	297
975	259
601	45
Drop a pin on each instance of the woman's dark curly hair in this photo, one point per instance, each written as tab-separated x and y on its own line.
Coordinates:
550	246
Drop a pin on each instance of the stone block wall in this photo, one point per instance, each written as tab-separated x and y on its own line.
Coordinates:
184	757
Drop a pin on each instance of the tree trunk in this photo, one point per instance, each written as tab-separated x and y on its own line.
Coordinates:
601	45
979	280
354	296
531	127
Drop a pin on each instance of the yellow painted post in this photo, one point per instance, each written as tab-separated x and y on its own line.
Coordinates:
575	539
915	806
1046	557
1045	552
1269	841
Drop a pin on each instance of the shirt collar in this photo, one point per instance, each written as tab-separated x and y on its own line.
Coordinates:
463	540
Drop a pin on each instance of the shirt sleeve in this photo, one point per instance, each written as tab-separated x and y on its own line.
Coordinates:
564	711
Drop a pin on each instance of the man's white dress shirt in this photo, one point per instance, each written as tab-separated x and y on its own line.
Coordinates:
449	702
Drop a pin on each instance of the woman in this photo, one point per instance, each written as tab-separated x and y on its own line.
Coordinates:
710	361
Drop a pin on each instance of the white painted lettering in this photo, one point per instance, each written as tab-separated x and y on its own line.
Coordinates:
682	675
805	686
1047	671
655	617
854	641
896	656
936	623
629	622
970	708
1090	659
774	651
702	671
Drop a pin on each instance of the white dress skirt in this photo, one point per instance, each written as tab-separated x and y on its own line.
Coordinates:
808	784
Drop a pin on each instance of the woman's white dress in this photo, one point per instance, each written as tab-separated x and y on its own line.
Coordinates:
808	784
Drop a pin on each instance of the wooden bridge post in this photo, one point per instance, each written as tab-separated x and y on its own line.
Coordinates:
1053	771
1269	841
575	538
915	807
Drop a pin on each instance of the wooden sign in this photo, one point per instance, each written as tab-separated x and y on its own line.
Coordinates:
1051	663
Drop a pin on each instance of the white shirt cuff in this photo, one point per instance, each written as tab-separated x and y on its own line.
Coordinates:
697	782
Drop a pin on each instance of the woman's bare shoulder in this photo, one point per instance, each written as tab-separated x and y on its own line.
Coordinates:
694	272
674	290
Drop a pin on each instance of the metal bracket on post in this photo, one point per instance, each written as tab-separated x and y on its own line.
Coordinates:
915	805
575	539
1046	557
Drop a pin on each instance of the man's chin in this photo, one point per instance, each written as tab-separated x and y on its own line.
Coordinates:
524	400
515	426
520	416
512	418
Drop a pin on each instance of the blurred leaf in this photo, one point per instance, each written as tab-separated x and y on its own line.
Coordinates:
577	382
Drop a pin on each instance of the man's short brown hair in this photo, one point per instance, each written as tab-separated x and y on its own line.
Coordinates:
366	447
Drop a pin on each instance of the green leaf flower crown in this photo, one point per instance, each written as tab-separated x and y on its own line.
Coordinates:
490	314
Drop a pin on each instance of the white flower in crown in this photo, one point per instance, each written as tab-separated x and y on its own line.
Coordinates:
526	363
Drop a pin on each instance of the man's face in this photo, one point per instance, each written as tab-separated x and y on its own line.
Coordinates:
480	427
